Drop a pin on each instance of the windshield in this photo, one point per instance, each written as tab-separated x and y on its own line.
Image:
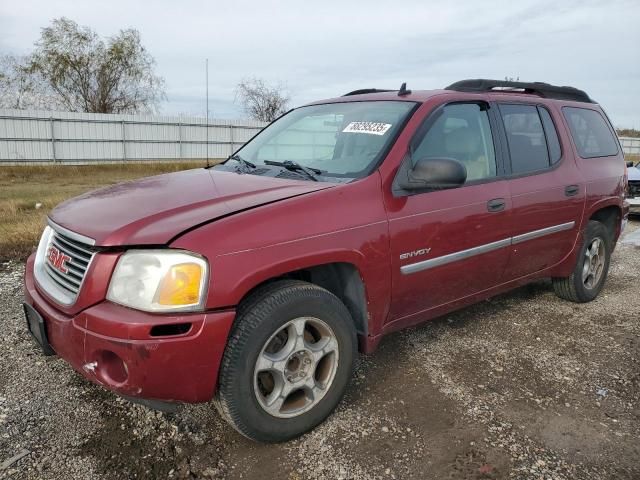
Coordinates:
337	139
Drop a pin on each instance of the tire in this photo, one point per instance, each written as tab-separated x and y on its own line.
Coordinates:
577	288
268	327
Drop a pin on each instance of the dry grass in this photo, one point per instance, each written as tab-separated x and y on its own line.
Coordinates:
22	187
632	158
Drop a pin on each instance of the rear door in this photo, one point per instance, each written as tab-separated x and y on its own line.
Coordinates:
449	244
546	187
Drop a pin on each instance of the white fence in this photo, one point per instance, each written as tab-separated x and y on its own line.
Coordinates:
50	137
630	145
63	137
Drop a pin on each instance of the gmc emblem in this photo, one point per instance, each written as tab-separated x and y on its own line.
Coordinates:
57	259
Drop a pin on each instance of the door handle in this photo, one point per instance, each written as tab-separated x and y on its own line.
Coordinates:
496	205
571	190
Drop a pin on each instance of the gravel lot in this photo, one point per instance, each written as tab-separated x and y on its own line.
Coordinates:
522	386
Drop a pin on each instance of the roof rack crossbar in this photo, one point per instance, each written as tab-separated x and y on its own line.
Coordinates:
364	91
539	88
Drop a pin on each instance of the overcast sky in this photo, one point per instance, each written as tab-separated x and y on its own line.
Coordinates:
324	49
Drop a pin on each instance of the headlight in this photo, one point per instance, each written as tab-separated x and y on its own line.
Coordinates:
159	281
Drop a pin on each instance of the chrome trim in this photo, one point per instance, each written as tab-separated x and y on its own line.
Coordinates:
66	283
61	288
454	257
542	232
479	250
66	244
72	235
52	290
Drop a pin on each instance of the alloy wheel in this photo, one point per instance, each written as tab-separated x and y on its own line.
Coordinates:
594	262
296	367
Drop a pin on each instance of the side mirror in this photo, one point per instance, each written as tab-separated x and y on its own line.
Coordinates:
629	164
434	174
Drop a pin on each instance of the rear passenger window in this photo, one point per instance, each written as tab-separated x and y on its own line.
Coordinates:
590	132
553	143
526	138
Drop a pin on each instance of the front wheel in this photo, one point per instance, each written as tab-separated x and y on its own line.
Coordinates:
592	265
288	361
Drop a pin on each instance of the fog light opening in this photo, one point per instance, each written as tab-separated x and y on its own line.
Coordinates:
111	367
170	329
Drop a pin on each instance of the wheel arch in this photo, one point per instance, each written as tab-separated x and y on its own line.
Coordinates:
610	216
343	279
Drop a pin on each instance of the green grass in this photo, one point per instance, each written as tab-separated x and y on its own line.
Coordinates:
22	187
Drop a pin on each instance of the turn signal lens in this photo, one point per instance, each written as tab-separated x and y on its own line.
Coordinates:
181	285
162	280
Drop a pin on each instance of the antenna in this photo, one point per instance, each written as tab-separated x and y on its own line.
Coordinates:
206	63
403	90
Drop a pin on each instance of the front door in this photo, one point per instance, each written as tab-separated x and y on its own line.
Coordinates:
449	244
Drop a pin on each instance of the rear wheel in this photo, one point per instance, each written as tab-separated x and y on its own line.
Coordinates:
287	362
592	266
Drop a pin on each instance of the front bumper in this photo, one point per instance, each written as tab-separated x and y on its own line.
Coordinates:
112	346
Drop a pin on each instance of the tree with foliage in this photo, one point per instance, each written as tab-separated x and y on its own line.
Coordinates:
80	72
261	101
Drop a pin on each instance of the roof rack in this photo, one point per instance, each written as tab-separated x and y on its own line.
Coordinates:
363	91
543	89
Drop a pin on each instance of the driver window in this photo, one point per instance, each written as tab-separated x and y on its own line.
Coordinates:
462	132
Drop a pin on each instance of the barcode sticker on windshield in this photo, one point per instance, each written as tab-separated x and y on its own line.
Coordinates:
372	128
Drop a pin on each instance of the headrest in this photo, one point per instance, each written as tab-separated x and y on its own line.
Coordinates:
461	141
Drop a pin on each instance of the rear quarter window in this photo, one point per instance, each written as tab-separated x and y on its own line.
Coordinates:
590	132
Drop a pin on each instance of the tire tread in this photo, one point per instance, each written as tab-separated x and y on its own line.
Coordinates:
567	287
250	313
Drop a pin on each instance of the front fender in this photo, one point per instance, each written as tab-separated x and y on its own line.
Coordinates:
237	285
234	275
345	224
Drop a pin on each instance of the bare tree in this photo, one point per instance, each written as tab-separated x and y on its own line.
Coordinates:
628	132
19	89
87	74
261	101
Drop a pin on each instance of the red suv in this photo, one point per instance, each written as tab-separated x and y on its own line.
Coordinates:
256	282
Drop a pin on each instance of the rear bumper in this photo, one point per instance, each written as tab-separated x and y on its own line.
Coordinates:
112	346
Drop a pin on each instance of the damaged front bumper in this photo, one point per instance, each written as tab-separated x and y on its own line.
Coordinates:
119	348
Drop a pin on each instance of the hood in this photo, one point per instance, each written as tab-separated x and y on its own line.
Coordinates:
633	173
153	210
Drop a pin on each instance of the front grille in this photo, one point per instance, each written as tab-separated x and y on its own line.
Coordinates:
66	262
634	188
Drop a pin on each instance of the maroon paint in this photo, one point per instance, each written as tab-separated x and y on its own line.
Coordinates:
300	224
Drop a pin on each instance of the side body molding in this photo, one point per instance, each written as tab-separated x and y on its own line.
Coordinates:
480	249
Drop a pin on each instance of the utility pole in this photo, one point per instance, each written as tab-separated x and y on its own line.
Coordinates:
206	62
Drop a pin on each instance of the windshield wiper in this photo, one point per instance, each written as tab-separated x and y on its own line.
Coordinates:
245	165
295	166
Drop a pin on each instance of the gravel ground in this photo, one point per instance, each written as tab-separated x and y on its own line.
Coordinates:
522	386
